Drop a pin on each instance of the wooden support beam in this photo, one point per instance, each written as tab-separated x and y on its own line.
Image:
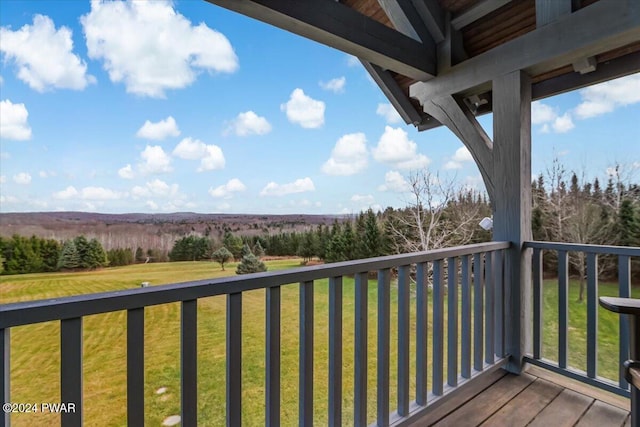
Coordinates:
476	12
343	28
548	11
433	17
457	117
555	45
405	19
394	93
512	204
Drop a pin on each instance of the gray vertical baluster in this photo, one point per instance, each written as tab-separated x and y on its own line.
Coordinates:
189	360
563	307
361	348
5	373
489	351
234	359
403	340
272	375
438	327
422	273
135	367
335	351
71	370
306	354
592	315
478	312
384	320
537	303
499	299
465	341
624	289
452	322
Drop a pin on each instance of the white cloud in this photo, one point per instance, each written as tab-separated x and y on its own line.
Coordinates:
155	188
605	97
152	205
461	155
303	110
542	113
151	47
99	193
3	179
352	61
249	123
22	178
563	124
395	148
349	156
155	160
44	56
394	182
334	85
13	121
389	113
210	156
68	193
362	198
226	190
298	186
126	172
159	130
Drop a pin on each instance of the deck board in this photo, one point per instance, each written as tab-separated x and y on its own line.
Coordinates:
530	400
602	414
481	407
526	405
565	410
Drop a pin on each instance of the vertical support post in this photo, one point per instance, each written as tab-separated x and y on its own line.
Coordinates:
563	308
465	340
537	303
478	311
452	321
624	289
512	204
592	315
5	373
403	340
438	327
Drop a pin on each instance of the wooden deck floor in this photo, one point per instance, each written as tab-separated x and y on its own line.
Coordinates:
535	398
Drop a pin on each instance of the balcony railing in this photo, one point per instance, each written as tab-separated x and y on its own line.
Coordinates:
589	372
469	278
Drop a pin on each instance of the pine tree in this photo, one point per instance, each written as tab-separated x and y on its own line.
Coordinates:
69	256
250	264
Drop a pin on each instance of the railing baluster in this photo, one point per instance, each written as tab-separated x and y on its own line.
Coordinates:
135	367
537	303
272	356
361	348
335	351
422	273
5	373
465	340
71	370
306	354
478	311
189	362
563	307
452	322
234	359
403	340
592	315
384	320
489	340
438	327
624	288
499	300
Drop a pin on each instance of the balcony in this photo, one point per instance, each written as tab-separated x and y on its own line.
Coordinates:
444	360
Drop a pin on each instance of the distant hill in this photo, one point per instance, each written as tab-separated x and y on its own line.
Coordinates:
151	230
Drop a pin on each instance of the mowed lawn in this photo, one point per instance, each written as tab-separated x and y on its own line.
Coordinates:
35	349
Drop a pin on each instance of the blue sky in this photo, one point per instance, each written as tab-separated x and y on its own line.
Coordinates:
184	106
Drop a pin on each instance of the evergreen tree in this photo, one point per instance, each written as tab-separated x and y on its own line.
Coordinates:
258	249
628	224
221	256
371	241
233	244
250	264
69	256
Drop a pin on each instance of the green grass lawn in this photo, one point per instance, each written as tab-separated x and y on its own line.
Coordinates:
36	354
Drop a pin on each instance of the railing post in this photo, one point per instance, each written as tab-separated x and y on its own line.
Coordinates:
361	349
335	351
5	373
71	370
